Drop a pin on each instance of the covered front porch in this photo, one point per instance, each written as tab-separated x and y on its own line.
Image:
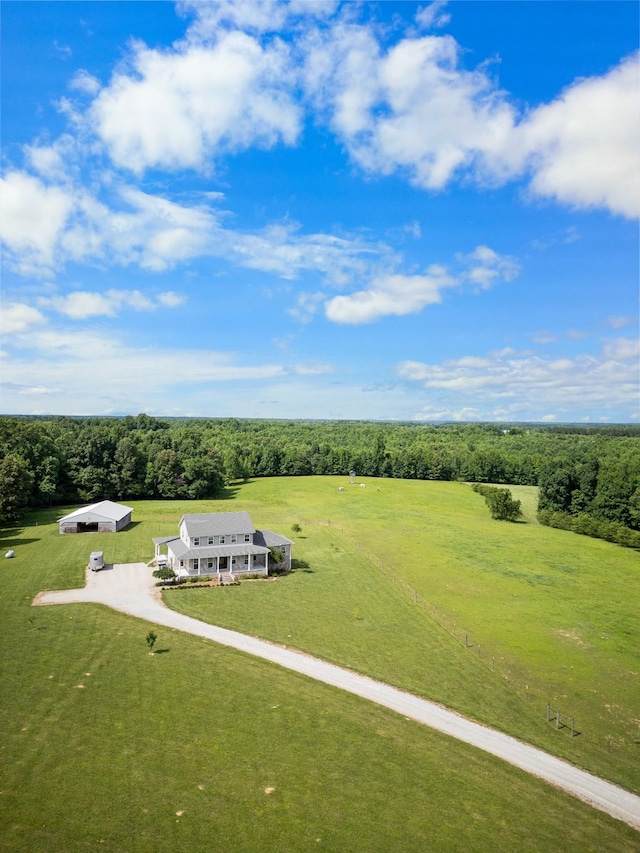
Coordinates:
221	565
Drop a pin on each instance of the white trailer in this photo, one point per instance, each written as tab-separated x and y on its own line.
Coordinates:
96	561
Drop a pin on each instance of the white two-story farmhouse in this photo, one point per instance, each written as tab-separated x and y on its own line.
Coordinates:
221	543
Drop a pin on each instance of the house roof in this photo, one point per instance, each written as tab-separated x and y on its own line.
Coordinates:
217	523
270	539
101	511
182	552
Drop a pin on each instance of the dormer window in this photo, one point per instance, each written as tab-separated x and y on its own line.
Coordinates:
196	541
247	537
222	540
210	540
234	538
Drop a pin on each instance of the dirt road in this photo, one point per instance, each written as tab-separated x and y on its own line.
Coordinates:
130	589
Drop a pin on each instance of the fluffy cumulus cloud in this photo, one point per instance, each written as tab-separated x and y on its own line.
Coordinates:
33	217
396	294
176	109
17	317
420	112
585	146
415	109
527	386
390	295
47	223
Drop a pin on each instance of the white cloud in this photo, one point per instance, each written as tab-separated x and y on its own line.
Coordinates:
16	318
413	109
433	413
529	387
263	16
170	299
585	145
306	306
46	225
618	322
178	109
622	349
432	16
395	294
416	110
33	218
107	383
389	295
80	305
82	81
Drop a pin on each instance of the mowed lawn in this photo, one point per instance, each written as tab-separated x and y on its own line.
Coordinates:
201	748
549	616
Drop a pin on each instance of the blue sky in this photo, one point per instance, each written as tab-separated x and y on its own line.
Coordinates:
391	211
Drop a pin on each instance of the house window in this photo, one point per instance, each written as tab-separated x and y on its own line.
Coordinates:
234	538
247	537
222	540
210	540
233	561
246	559
210	563
196	541
182	564
196	563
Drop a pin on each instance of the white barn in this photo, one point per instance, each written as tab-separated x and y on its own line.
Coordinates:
101	517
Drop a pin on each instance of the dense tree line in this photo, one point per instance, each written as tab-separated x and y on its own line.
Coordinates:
586	472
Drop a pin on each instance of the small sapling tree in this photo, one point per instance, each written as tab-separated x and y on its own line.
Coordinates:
151	641
295	528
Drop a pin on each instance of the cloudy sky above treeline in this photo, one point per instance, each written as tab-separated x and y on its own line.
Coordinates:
392	210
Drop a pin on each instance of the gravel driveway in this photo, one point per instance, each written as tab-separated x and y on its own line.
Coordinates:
130	589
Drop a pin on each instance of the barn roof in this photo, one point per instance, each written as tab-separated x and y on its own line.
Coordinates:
101	511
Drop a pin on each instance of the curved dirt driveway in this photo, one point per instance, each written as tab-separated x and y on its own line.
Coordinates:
130	589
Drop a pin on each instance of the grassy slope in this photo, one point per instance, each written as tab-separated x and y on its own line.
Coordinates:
204	730
550	616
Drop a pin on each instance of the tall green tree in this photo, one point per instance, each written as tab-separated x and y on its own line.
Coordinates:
16	481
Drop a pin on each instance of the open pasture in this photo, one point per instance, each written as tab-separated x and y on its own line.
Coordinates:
201	748
549	616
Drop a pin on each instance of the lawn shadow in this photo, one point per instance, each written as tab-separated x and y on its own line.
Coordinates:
230	490
161	651
301	566
15	542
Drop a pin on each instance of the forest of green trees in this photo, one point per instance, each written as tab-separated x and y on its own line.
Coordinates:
589	476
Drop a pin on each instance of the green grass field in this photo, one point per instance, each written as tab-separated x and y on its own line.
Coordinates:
105	747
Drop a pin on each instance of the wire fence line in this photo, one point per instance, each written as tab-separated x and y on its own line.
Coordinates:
496	665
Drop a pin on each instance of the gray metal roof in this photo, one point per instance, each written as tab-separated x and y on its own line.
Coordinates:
270	539
163	540
101	511
217	523
183	553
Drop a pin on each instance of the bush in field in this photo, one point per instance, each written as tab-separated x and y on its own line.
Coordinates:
501	504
